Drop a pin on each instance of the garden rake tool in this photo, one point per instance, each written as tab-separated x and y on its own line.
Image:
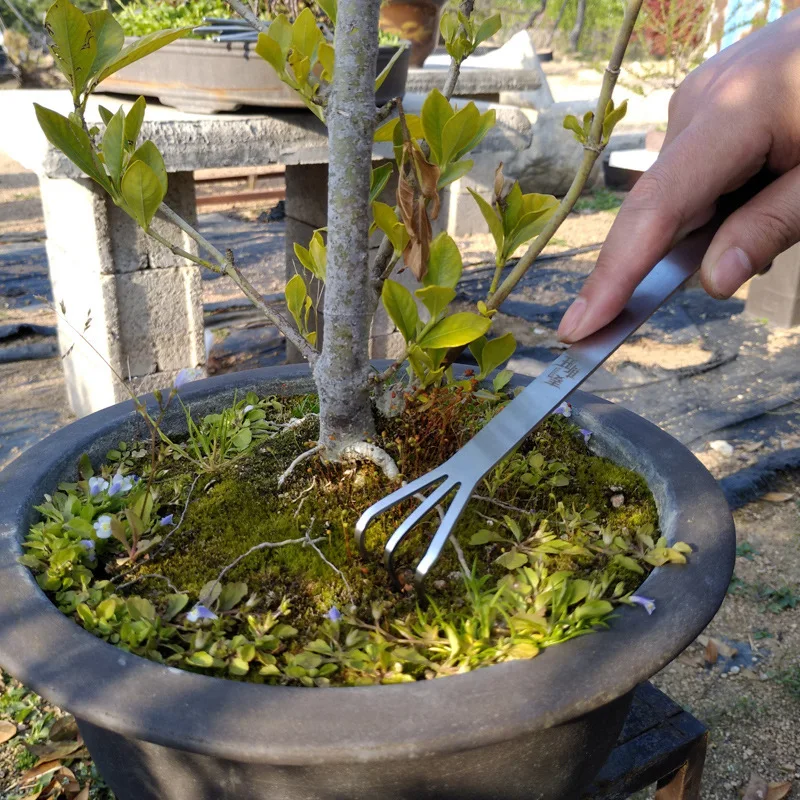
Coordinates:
460	474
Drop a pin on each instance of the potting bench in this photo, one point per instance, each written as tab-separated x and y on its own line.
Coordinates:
660	743
145	303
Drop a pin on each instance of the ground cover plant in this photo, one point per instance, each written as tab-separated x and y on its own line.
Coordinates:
230	550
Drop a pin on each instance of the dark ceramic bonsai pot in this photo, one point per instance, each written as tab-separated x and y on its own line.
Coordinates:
526	729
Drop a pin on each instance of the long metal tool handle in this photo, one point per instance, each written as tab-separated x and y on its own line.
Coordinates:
577	363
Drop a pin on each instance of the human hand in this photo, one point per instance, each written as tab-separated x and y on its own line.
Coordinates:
736	114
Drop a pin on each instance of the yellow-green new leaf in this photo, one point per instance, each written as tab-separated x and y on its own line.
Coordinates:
454	171
444	262
487	29
327	57
142	47
306	36
133	122
109	36
280	29
436	298
571	124
142	192
73	142
492	220
401	308
330	7
319	255
385	133
74	45
386	219
269	49
459	131
486	123
114	146
295	293
456	331
612	117
388	68
436	112
496	352
150	155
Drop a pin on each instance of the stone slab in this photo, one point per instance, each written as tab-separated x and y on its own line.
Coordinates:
196	141
474	80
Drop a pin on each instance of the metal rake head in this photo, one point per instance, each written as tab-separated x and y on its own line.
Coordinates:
446	485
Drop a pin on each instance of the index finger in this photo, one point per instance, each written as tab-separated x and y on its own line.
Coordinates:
676	195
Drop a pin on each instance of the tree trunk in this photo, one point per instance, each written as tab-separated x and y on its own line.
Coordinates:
534	17
557	22
575	33
342	371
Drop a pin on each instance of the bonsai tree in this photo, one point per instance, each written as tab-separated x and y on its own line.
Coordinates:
336	80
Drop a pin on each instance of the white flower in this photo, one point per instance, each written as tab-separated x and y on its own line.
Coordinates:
97	485
247	409
102	527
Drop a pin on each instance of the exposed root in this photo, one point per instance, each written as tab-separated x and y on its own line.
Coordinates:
299	460
366	451
311	543
149	576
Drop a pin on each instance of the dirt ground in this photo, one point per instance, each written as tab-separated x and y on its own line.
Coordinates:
751	702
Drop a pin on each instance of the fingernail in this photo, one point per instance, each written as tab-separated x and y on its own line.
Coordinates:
572	319
732	269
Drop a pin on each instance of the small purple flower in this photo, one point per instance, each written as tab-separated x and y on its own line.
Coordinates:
187	375
164	521
334	615
122	484
565	409
200	612
586	435
89	545
102	527
645	602
97	485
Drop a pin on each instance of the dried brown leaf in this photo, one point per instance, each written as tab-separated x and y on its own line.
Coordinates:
52	751
36	772
777	497
415	217
777	791
64	729
724	650
499	182
8	730
84	793
756	788
711	652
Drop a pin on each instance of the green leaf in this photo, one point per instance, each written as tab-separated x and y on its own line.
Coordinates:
501	380
319	255
386	219
401	308
241	441
85	469
142	47
305	33
271	52
109	38
232	593
140	608
487	122
496	352
80	526
73	142
454	171
513	208
492	220
458	131
484	536
105	114
280	29
512	560
385	133
571	124
612	117
529	225
378	180
74	45
295	297
436	112
114	146
148	153
326	56
142	192
133	122
593	608
476	348
444	262
455	331
200	659
330	9
384	74
238	666
436	298
175	604
487	29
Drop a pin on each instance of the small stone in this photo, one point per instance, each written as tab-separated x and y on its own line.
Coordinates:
617	500
440	584
763	676
723	675
722	447
734	670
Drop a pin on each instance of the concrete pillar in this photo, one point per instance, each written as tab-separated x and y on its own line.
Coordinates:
143	305
775	295
306	211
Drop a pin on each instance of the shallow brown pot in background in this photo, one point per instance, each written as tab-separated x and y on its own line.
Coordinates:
414	20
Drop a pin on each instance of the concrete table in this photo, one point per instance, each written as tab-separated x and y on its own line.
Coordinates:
145	303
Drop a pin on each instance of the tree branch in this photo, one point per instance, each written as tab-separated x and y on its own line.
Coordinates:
246	13
466	7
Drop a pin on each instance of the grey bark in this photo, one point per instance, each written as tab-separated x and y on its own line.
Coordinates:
557	22
342	370
577	29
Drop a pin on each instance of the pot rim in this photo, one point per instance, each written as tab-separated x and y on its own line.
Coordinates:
142	699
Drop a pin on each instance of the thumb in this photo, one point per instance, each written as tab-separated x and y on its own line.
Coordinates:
752	236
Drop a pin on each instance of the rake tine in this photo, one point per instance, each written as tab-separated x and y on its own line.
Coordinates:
440	538
391	500
410	521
